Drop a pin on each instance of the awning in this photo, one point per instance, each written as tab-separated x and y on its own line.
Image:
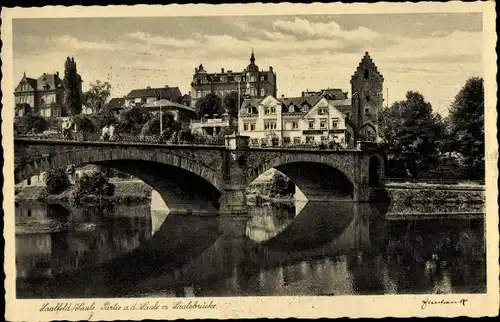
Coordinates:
167	103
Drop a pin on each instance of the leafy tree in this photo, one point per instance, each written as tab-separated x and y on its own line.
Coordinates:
133	120
281	185
411	134
230	103
466	127
95	183
104	117
84	124
57	181
209	105
72	98
97	95
32	123
170	126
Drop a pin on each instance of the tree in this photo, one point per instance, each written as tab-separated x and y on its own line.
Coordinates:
411	134
56	181
230	103
133	120
72	99
170	126
32	123
97	95
466	127
209	105
94	183
281	185
104	117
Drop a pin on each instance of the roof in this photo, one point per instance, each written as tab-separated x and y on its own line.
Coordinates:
48	82
334	93
168	103
170	93
116	103
299	101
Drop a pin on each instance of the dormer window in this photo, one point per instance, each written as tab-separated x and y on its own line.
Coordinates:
305	108
291	108
46	86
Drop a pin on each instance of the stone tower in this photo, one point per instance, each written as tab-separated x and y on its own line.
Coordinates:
367	97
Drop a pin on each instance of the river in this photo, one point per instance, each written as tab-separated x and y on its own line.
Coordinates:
313	248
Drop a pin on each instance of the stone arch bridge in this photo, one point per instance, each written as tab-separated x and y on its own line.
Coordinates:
200	178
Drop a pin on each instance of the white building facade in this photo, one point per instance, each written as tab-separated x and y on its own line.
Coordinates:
310	120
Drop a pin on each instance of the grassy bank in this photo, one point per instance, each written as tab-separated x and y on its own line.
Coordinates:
417	199
126	191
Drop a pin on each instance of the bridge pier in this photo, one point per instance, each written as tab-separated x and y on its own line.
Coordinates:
233	201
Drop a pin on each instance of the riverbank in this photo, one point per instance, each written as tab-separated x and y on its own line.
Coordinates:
421	201
126	191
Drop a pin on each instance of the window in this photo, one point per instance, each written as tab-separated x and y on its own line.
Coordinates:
305	108
335	124
367	111
324	139
291	108
42	100
253	78
311	124
295	125
262	78
262	92
286	140
266	110
322	124
252	127
273	110
367	98
223	79
321	111
245	127
28	182
309	139
255	141
296	140
347	114
366	74
270	125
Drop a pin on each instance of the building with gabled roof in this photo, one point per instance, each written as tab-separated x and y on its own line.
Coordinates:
309	120
138	97
252	82
42	96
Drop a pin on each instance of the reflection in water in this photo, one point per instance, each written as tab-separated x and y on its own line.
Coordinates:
323	249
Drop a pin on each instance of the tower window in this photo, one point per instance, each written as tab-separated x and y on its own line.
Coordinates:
367	98
366	110
366	74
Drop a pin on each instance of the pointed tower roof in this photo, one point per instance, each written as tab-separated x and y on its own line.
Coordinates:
252	67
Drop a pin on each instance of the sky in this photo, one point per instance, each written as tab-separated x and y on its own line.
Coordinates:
431	53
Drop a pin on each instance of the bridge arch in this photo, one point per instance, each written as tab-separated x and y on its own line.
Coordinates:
89	156
186	186
320	177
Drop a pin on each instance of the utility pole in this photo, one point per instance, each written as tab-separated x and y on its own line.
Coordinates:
239	99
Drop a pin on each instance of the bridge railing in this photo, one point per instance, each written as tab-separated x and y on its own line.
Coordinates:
122	137
442	181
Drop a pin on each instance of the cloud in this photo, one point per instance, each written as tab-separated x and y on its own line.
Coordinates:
256	32
303	27
68	41
162	41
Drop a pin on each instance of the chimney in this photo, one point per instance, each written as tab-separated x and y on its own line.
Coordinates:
222	70
57	74
282	96
166	86
148	87
270	68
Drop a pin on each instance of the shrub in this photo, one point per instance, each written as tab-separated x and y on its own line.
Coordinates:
95	183
32	123
57	181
